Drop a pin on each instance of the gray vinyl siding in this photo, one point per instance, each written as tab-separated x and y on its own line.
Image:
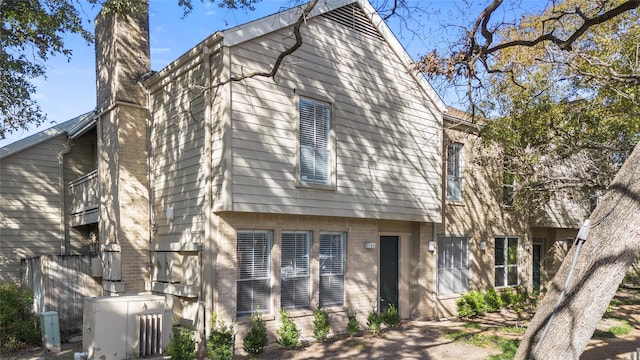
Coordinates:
29	205
386	130
177	155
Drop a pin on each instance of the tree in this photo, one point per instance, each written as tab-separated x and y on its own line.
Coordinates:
569	73
34	30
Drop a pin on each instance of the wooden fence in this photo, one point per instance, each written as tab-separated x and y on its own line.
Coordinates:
60	283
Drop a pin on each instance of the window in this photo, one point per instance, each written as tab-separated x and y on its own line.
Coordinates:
332	269
254	271
506	260
454	172
294	293
315	147
453	265
508	181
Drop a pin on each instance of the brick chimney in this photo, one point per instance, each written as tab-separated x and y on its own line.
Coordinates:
122	58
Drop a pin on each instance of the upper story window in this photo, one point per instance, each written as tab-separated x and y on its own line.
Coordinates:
508	182
454	172
315	142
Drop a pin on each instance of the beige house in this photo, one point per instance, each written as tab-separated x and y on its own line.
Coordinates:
342	183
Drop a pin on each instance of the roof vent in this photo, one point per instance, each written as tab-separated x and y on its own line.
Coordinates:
352	17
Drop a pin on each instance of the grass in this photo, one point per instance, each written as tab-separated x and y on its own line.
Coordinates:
615	331
507	346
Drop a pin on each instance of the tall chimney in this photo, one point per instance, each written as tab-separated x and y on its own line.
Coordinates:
122	58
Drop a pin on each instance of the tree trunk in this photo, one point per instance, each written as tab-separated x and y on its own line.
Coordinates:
610	249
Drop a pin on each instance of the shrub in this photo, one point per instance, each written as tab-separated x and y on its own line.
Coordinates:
321	324
181	346
19	326
374	322
508	296
220	341
391	317
288	333
353	326
493	300
256	339
471	304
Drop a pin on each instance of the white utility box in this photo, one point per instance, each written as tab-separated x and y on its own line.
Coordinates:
120	327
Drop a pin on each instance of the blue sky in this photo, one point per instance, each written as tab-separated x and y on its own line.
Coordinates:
69	89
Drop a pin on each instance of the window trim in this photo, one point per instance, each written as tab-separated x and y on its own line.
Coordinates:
331	183
459	176
505	268
308	266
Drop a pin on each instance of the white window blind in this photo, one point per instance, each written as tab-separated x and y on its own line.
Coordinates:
454	172
332	248
315	118
294	293
506	262
254	271
453	265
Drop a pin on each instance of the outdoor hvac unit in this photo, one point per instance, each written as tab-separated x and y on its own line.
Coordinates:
121	327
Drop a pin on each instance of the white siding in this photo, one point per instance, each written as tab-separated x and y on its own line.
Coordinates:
29	205
386	129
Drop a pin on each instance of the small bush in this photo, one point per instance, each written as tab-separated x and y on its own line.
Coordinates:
391	317
256	339
288	333
181	346
19	326
471	304
220	342
374	322
353	326
321	324
493	300
508	296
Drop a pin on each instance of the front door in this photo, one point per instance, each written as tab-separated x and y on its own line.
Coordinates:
388	271
537	250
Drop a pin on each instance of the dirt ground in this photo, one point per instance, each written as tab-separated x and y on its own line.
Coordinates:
426	340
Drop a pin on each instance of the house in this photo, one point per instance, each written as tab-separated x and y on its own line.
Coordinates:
323	186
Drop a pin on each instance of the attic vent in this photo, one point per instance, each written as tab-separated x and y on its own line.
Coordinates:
354	18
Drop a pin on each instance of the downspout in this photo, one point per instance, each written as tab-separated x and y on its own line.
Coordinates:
63	225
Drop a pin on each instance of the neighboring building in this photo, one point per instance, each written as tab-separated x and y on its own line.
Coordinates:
483	240
336	184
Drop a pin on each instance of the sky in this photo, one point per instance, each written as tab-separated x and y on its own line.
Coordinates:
69	88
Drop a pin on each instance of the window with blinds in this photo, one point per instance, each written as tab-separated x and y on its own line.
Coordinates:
315	150
254	271
453	265
454	172
294	292
332	253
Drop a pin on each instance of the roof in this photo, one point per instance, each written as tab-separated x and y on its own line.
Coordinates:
69	127
283	19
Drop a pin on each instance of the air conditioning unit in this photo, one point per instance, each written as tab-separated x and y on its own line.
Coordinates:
121	327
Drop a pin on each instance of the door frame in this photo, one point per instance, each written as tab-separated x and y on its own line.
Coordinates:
404	253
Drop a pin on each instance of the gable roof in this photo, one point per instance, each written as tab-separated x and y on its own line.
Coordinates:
283	19
70	127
